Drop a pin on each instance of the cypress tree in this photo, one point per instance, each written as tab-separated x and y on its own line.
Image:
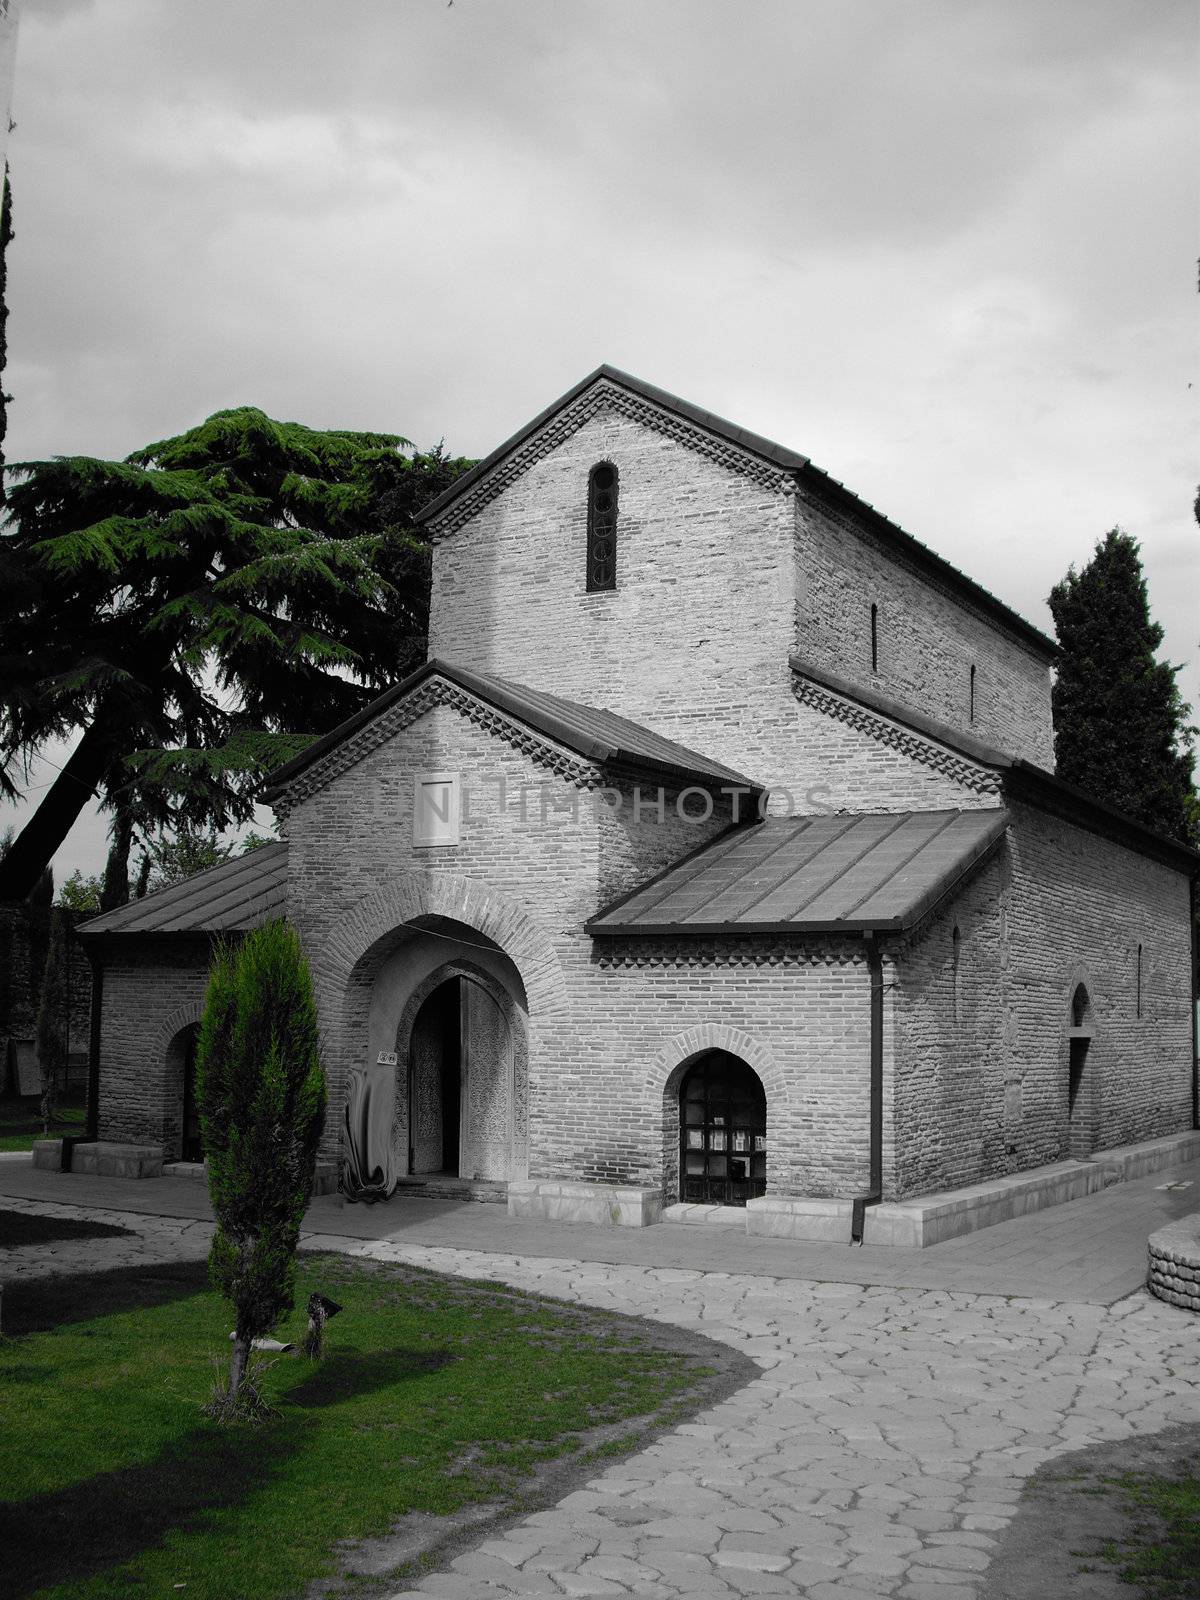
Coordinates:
1121	726
260	1089
52	1019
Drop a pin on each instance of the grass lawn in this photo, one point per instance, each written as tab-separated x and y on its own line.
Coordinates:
1160	1553
434	1393
21	1122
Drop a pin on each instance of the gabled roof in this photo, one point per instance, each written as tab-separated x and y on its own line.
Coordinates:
596	735
850	874
792	461
238	895
1020	779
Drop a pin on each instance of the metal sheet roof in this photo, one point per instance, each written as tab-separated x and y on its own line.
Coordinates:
597	735
827	874
239	894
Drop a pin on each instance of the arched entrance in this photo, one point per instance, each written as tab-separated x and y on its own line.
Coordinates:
181	1067
462	1081
1081	1090
722	1131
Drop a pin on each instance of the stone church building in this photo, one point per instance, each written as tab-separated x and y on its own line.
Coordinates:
714	859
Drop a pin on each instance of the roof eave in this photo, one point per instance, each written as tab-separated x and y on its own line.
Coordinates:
1049	792
852	928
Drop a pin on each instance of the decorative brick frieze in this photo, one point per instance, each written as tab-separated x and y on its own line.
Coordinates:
607	396
688	950
435	692
859	717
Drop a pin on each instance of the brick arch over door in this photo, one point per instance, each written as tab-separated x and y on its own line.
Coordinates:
518	1023
684	1047
170	1060
341	968
464	900
675	1057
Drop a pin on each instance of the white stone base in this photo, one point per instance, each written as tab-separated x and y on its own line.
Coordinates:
107	1159
1152	1155
691	1215
934	1217
602	1204
782	1217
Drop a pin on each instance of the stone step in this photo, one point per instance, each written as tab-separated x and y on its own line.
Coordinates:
691	1215
444	1186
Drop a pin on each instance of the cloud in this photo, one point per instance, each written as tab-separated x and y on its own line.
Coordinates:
943	249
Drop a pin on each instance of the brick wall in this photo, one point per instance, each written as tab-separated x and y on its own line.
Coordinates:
927	638
719	577
984	1091
152	990
596	1081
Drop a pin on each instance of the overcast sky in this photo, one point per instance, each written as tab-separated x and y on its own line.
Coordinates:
944	247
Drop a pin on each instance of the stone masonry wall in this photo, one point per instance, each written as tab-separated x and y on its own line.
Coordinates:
928	639
152	990
984	1092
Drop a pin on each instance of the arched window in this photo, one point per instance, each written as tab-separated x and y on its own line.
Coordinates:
602	527
874	638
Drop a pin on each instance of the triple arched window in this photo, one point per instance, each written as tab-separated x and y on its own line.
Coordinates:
602	527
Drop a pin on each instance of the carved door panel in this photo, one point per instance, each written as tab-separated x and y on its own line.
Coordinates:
487	1103
425	1066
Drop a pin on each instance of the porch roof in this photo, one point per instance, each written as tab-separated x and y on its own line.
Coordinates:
857	873
595	734
237	895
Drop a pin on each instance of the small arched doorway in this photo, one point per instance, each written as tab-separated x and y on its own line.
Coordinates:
1081	1097
722	1132
181	1065
462	1084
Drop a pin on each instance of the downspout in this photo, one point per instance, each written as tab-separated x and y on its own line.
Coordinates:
874	1192
93	1088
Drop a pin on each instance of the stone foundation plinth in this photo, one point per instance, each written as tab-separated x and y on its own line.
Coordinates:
778	1217
603	1204
1175	1263
106	1159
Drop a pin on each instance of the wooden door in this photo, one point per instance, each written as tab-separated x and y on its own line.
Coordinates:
425	1069
486	1047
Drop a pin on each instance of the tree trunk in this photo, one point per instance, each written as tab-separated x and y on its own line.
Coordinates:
33	848
237	1364
114	891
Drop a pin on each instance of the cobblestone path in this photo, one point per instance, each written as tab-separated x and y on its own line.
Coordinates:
880	1453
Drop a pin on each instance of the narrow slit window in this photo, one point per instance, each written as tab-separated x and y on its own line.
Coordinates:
956	973
1139	981
602	527
972	693
874	638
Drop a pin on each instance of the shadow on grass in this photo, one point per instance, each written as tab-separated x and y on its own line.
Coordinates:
35	1305
26	1227
76	1533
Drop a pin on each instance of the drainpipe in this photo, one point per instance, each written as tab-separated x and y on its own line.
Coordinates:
874	1193
93	1088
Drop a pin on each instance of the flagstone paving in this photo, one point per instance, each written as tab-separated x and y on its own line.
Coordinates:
881	1452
